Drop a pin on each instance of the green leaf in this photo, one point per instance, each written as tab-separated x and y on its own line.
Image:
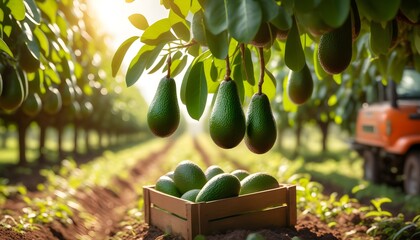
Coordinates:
396	65
49	8
196	91
180	7
269	87
182	31
198	28
237	77
5	48
305	6
178	65
195	6
248	66
269	9
139	21
52	75
244	19
379	11
159	64
137	65
158	33
218	44
333	12
203	56
33	11
283	20
120	53
194	50
17	8
42	41
294	56
215	16
380	38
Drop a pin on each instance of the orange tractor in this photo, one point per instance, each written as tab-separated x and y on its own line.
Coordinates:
388	135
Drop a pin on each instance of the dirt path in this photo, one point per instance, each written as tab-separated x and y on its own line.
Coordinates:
108	207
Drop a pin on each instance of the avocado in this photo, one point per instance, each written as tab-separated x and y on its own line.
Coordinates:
227	119
163	116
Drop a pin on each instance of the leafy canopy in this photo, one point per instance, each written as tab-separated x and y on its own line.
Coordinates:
386	40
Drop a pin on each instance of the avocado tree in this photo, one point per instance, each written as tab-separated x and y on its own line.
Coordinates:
54	69
349	41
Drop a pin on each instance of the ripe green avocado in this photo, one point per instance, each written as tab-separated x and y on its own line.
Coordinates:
335	48
261	131
258	182
188	175
163	116
300	85
212	171
224	185
13	93
166	185
227	119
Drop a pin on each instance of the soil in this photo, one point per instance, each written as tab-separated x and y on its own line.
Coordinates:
308	227
109	208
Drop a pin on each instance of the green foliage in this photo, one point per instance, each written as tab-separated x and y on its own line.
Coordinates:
225	30
58	201
395	228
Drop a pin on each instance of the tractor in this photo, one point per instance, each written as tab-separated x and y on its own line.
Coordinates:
387	134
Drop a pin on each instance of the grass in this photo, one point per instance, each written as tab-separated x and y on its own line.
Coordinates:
58	201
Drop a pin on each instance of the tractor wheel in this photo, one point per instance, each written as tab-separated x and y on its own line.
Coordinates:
371	167
412	173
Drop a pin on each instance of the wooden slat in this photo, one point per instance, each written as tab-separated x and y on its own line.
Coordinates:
146	205
291	203
168	202
269	218
250	202
169	223
193	220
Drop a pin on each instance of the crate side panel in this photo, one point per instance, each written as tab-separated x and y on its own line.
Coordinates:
291	202
169	223
245	203
275	217
169	203
146	205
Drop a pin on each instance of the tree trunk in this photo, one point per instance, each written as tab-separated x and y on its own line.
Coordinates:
5	136
87	140
22	126
60	142
75	139
42	132
324	126
299	127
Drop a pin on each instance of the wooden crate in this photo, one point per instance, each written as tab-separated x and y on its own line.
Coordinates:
270	208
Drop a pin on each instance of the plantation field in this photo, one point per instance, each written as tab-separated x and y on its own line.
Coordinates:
100	196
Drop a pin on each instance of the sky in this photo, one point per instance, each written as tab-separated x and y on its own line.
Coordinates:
113	17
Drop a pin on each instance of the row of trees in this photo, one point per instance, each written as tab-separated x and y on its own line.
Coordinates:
54	68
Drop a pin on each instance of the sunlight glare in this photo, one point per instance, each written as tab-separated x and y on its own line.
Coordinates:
113	16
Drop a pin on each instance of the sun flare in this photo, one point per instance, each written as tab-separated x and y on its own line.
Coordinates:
112	16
